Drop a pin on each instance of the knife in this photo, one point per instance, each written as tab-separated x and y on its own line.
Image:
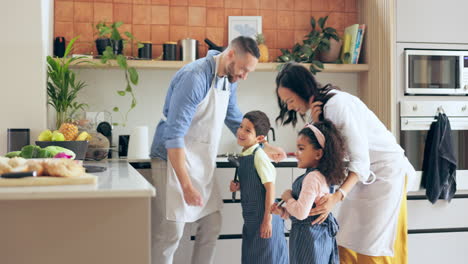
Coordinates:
15	175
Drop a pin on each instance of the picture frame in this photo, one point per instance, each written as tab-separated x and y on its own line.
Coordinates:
248	26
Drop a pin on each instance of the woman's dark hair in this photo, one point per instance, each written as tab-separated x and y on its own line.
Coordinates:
300	80
260	121
331	165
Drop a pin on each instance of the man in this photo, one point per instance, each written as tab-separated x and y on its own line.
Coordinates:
201	96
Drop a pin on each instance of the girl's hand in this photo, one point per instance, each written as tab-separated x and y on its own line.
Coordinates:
275	209
324	207
234	186
315	110
265	229
286	195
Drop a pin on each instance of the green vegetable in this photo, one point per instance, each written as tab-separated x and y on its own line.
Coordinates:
30	151
54	150
44	153
13	154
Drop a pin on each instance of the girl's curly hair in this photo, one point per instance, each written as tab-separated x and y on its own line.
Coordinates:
332	164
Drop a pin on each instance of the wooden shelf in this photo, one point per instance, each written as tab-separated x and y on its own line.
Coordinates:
175	65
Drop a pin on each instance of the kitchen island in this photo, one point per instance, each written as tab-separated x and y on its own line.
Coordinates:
104	223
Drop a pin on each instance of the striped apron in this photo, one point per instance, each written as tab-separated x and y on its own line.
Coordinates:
257	250
312	243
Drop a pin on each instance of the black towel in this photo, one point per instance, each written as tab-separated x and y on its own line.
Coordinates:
439	165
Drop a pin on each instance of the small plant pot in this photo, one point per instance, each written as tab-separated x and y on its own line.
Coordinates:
101	44
333	53
117	46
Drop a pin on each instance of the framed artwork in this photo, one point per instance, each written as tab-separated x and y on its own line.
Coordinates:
247	26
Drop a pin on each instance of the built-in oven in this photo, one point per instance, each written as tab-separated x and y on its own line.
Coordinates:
436	72
416	118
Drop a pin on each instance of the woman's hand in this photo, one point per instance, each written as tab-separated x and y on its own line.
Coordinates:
315	110
234	186
324	206
275	153
286	195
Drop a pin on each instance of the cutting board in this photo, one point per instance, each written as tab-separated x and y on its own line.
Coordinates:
47	181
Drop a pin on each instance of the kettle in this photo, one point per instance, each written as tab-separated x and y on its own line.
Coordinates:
213	46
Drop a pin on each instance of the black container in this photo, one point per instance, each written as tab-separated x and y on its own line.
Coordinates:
170	51
123	145
17	138
101	44
146	52
79	147
59	47
117	46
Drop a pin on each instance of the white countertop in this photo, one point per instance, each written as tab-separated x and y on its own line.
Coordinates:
118	181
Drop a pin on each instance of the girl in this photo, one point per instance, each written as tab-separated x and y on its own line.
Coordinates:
263	239
320	152
377	167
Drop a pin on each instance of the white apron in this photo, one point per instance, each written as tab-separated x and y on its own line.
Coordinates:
201	147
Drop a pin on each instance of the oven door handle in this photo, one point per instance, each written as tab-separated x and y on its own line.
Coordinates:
424	123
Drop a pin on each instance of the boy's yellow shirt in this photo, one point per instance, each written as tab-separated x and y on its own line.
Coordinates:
265	169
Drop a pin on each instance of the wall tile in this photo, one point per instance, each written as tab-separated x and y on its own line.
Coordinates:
142	32
177	33
63	11
233	4
215	17
179	2
159	2
197	33
301	20
336	5
350	19
351	6
159	34
232	12
319	5
302	5
83	12
285	38
201	3
123	13
299	36
103	1
270	38
285	5
215	3
336	20
160	14
251	4
157	51
103	12
125	27
141	14
64	29
250	12
285	19
268	4
83	48
216	35
269	19
178	15
202	49
141	2
85	31
272	54
197	16
121	1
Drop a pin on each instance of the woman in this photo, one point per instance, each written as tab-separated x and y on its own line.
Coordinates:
372	217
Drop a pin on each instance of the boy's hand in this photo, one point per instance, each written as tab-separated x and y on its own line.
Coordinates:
275	209
234	186
265	228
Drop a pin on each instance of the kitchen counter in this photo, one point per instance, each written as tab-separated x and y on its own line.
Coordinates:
118	181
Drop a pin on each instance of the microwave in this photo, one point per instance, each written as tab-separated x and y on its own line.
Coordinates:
436	72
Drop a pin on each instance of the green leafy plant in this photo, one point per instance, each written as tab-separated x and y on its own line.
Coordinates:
62	86
131	75
318	40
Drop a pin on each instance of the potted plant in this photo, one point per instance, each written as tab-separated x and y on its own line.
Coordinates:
317	42
114	52
108	35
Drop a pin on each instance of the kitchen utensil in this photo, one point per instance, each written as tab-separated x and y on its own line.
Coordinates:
17	138
212	46
169	51
234	161
48	181
188	49
123	145
92	168
15	175
146	51
138	147
59	47
280	203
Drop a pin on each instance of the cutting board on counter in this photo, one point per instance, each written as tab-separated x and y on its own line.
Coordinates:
48	181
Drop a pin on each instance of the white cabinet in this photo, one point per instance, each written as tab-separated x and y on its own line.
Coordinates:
424	215
436	248
228	251
431	21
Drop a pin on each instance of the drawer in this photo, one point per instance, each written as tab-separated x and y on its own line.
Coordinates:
436	248
228	251
424	215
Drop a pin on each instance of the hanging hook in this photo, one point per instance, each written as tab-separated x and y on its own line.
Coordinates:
440	110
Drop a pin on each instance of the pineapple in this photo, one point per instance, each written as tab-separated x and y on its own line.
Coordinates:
263	48
69	130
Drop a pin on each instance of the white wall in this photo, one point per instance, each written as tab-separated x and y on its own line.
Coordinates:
24	45
256	93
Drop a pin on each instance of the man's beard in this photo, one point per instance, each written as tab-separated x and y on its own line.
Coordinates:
230	70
